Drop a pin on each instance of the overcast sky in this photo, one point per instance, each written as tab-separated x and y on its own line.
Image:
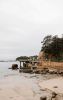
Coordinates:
24	23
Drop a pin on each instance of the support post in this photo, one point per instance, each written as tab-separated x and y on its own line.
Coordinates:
20	64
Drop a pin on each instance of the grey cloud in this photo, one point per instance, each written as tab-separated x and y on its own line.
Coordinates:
24	23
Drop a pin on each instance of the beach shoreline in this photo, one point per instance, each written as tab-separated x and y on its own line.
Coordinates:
24	86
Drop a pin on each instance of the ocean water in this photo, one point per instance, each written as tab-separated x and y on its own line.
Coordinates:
4	68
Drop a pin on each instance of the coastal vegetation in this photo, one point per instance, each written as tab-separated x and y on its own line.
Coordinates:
52	46
22	58
30	58
33	58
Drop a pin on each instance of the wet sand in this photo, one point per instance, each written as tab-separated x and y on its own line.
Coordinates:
19	87
23	87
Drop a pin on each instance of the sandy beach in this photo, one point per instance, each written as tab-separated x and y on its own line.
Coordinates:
55	85
19	87
28	86
15	87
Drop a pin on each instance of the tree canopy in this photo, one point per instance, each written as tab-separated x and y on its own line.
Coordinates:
33	58
22	58
52	46
27	58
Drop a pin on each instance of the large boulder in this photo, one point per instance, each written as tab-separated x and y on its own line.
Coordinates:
14	66
43	98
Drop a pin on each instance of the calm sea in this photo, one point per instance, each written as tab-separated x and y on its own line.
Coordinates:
4	68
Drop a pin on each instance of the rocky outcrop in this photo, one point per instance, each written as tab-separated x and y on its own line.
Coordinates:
14	66
43	98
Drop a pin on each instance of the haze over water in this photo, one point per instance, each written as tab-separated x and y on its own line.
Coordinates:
4	68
